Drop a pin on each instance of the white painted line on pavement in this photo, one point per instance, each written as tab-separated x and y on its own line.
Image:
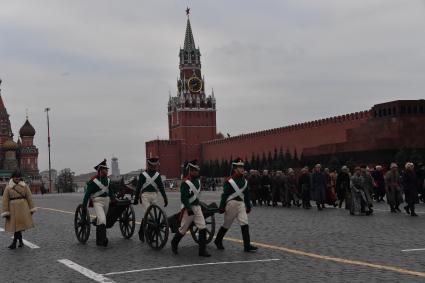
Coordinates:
190	265
384	210
86	272
29	244
26	243
413	250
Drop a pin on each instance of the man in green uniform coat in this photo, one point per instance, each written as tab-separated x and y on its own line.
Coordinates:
149	184
191	210
99	191
235	204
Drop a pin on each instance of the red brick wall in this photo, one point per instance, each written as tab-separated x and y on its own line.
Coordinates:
389	132
169	153
300	136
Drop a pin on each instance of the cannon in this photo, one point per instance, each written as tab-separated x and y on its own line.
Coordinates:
157	225
121	210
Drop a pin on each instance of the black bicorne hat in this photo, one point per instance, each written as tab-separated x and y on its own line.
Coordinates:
192	165
101	165
153	160
238	162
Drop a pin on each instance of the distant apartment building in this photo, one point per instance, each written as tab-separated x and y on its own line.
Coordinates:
45	178
115	170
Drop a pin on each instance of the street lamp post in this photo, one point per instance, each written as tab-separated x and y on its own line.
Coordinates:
48	145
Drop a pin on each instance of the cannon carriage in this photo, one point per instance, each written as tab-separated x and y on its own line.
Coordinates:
157	225
121	210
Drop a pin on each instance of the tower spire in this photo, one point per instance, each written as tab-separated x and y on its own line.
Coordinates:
189	42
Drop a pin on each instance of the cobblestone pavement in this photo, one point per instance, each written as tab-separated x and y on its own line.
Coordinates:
296	245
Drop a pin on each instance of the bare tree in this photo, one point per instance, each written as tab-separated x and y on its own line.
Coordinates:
65	181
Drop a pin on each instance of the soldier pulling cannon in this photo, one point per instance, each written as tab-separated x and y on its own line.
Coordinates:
111	204
108	209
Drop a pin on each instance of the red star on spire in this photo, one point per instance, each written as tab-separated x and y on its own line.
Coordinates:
187	11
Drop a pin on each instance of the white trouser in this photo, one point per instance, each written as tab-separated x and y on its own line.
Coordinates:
197	218
148	198
235	209
101	206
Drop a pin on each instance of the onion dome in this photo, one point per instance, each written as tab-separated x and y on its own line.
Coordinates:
27	130
10	145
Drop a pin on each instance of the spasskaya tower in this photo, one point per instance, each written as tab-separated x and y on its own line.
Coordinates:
191	113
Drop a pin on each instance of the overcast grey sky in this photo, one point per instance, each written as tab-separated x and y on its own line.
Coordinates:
105	67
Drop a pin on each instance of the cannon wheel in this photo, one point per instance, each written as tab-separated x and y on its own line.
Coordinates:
128	222
155	225
82	224
210	223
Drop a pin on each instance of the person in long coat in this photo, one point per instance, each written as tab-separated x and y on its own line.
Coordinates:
18	208
343	187
368	186
319	187
291	188
393	188
379	186
265	188
254	183
410	186
420	175
278	188
359	203
304	184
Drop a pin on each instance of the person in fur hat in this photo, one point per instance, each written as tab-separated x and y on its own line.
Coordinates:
393	188
18	208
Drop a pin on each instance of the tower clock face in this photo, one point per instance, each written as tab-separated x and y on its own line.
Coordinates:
194	84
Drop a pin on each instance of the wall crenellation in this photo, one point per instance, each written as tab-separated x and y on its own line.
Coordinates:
296	127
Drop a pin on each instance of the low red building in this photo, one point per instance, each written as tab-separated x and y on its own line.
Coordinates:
373	135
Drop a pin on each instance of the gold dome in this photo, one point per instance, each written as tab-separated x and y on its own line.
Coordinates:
10	145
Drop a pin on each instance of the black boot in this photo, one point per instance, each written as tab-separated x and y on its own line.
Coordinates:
105	238
412	210
370	211
15	238
203	243
103	241
407	209
246	239
141	233
175	242
21	241
219	239
98	236
392	208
